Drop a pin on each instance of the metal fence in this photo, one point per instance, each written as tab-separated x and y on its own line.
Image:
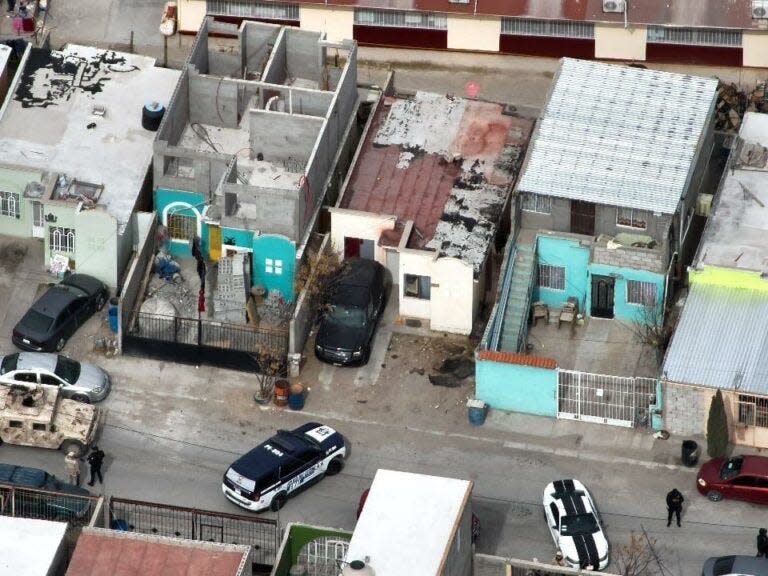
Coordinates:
177	522
615	400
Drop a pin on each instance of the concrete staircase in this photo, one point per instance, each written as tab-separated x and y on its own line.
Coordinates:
514	327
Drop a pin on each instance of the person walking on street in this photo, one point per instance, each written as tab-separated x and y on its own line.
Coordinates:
95	459
72	466
674	505
762	543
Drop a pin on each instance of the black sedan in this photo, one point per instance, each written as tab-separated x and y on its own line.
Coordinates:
59	312
353	305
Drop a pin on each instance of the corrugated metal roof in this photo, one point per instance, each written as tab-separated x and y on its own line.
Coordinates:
721	340
618	135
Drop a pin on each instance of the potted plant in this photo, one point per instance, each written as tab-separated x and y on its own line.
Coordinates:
269	364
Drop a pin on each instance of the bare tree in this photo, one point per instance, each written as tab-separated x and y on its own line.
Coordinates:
270	363
315	274
639	557
649	328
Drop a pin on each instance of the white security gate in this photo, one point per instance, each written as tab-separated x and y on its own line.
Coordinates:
614	400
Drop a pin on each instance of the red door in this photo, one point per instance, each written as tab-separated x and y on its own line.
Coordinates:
352	247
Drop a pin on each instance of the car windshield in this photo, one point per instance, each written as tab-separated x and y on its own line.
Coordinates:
67	369
76	290
35	321
9	363
578	524
731	467
346	315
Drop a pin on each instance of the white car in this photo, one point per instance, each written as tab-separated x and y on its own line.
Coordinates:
574	523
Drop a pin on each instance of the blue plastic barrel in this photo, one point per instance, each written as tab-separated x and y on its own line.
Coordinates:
477	411
112	313
120	524
296	397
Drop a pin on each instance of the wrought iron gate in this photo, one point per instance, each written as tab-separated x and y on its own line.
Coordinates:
614	400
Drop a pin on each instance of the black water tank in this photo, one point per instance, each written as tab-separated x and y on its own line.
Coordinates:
152	115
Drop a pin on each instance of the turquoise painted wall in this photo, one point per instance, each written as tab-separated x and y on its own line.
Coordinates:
235	237
196	203
574	258
279	272
623	310
517	388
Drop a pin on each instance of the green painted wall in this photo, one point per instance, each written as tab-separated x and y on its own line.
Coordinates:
269	251
298	536
16	181
729	278
515	387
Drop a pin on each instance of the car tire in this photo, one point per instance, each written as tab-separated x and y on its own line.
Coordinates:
73	446
60	343
80	398
334	467
278	501
714	495
101	299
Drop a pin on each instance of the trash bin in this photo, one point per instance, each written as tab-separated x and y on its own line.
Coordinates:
296	397
690	453
120	525
112	313
477	410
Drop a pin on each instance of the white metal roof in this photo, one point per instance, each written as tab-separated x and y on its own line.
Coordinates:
736	233
408	522
618	135
721	340
28	547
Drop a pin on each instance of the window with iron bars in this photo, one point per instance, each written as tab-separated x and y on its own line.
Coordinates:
181	227
694	36
400	19
643	293
530	202
9	204
62	239
753	410
556	28
245	9
632	218
551	277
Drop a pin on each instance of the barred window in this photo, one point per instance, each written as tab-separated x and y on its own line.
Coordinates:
694	36
643	293
536	203
182	227
753	410
247	9
551	277
417	286
559	28
632	218
9	204
400	19
62	239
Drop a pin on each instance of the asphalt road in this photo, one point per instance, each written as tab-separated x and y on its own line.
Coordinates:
167	444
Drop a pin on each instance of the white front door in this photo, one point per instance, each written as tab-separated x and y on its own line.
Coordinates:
38	220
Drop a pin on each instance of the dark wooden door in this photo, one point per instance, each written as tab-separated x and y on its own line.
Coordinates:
602	296
582	217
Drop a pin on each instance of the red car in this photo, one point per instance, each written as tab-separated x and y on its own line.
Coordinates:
739	478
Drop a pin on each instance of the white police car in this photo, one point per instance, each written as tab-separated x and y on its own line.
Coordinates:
267	475
575	525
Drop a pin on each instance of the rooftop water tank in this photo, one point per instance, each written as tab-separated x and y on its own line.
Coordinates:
357	568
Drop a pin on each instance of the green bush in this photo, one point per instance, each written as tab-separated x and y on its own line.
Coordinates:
717	428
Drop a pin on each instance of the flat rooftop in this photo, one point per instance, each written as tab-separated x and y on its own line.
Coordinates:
408	522
445	163
101	551
736	234
50	122
28	547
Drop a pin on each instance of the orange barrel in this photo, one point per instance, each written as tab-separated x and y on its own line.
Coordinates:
281	392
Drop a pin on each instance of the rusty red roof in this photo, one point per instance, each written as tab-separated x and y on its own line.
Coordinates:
515	358
107	553
683	13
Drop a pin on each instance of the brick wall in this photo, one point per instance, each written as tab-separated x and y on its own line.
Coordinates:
685	409
628	257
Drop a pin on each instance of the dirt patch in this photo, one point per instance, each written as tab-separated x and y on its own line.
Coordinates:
12	255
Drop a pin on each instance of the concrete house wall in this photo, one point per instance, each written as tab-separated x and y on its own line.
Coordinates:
516	387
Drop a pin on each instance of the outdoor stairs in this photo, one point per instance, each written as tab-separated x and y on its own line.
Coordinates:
514	328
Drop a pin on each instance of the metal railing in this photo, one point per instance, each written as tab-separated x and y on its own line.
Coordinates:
262	534
501	306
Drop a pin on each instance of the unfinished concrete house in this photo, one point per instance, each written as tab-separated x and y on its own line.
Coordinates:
252	134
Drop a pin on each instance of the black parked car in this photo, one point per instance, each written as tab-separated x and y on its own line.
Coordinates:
43	506
59	312
355	299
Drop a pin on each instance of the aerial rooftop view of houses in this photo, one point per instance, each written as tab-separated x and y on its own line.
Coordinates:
373	289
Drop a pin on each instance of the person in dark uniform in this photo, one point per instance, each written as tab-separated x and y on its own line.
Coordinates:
674	505
95	459
762	543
